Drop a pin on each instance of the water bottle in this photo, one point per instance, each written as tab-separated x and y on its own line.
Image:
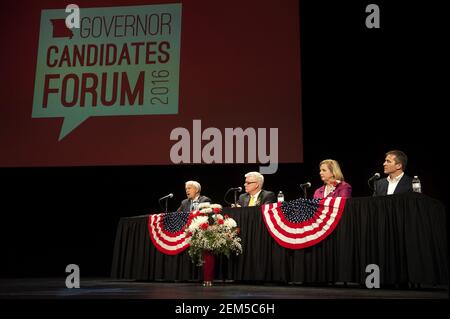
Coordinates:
280	197
416	185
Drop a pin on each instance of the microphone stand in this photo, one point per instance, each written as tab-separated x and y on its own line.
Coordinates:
373	186
304	192
166	205
167	202
235	196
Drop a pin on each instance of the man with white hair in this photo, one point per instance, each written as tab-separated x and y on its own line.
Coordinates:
254	194
194	198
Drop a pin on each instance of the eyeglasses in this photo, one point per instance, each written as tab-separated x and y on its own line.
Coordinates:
246	183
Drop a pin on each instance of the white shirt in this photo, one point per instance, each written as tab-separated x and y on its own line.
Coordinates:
393	183
194	203
255	197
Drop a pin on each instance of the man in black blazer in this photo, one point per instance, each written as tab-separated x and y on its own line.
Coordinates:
397	181
194	198
254	194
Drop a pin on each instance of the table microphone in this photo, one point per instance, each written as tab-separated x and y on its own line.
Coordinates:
305	185
167	196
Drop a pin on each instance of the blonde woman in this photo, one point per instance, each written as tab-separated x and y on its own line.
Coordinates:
333	180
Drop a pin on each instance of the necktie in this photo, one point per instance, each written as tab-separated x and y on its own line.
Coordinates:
194	205
252	201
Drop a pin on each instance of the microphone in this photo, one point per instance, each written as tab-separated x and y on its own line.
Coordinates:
167	196
374	177
305	185
236	190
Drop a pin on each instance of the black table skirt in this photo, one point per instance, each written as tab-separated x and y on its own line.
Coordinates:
405	235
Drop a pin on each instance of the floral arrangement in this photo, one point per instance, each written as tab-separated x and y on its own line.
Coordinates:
209	230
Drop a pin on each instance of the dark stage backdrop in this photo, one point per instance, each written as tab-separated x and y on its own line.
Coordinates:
364	92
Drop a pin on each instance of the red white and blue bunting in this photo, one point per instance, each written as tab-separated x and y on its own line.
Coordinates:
303	223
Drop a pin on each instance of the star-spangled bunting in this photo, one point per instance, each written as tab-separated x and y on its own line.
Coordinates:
294	224
302	222
167	231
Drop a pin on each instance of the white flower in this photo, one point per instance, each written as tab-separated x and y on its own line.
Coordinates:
216	206
230	223
206	210
203	205
217	216
196	222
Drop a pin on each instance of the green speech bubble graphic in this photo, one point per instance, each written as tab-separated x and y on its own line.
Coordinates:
121	61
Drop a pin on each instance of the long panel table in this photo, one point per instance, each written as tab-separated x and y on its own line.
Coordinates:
405	235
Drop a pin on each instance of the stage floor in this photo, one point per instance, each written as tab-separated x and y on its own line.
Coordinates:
106	288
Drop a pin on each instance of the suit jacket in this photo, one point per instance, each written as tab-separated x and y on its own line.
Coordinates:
342	189
403	186
186	203
265	197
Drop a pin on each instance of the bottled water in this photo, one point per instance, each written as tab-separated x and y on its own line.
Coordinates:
416	186
280	197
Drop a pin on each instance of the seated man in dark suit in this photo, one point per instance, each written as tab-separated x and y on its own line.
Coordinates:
397	181
194	198
254	194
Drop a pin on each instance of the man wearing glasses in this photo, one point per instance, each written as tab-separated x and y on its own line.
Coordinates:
254	194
